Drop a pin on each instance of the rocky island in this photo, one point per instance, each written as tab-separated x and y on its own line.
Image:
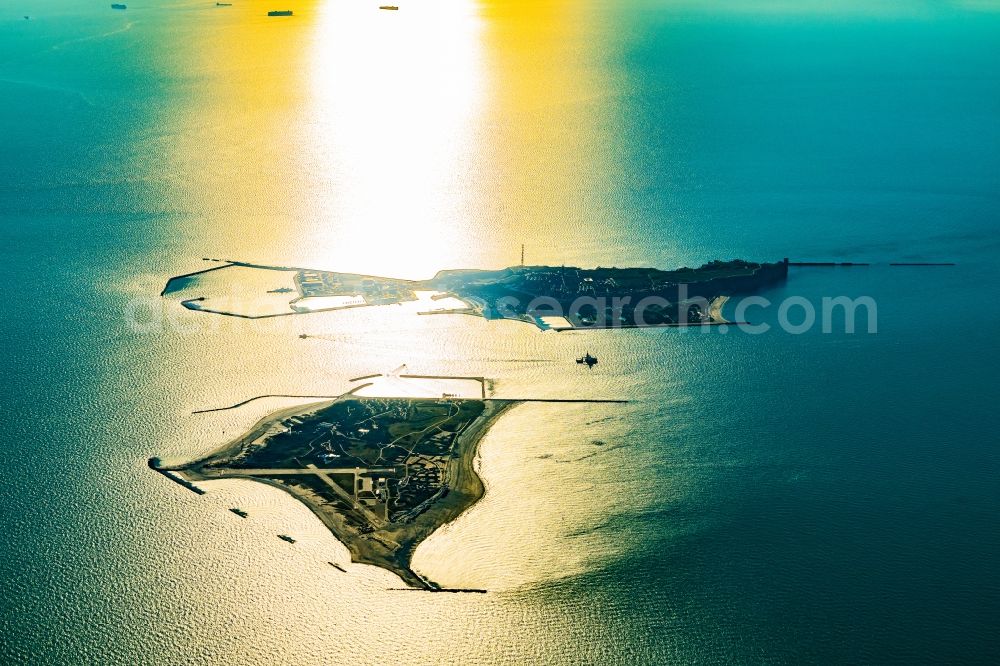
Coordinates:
549	297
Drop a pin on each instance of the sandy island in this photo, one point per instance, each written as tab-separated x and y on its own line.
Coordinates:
375	529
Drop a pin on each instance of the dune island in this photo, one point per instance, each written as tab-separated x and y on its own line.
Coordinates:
381	473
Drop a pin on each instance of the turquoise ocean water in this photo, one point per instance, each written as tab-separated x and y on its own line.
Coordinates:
766	498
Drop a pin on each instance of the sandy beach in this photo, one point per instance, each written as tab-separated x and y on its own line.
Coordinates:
715	309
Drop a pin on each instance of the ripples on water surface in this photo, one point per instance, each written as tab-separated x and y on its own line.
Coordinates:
762	498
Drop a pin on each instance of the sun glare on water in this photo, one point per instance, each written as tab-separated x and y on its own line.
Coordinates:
396	95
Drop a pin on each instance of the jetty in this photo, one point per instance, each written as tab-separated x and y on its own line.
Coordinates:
453	590
828	263
834	264
154	464
922	263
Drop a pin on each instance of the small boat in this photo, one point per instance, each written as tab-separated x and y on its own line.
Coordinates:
587	359
280	12
392	8
285	537
337	566
239	512
223	4
118	5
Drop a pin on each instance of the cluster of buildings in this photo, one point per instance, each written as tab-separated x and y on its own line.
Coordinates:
312	283
372	490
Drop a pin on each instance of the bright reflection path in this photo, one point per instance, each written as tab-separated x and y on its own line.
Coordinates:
392	385
396	95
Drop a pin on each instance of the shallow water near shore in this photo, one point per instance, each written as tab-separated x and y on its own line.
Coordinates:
766	498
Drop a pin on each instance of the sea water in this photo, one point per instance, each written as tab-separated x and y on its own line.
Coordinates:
760	498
